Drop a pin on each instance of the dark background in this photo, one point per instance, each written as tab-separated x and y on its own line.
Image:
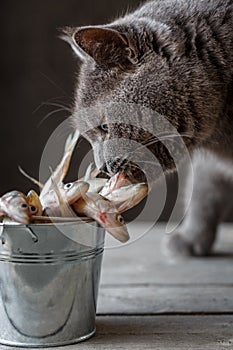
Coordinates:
38	68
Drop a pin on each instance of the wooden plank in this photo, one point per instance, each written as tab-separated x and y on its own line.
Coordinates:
163	332
152	300
143	263
160	333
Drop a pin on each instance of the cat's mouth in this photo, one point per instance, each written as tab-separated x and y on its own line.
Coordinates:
129	169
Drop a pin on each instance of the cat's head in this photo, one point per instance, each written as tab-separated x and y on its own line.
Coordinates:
123	96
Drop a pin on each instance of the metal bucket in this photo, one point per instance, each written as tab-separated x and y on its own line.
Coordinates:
49	279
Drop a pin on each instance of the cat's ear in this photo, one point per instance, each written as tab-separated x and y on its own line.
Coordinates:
106	46
67	34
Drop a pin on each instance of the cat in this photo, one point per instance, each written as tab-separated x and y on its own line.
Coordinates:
169	58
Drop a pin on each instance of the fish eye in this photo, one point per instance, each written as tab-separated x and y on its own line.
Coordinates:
120	219
24	206
33	209
67	186
104	127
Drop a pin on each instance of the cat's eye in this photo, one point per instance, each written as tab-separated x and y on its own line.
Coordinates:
104	127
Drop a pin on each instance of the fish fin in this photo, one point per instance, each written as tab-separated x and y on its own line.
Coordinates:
62	168
38	183
66	211
68	142
90	200
94	173
88	172
32	194
122	207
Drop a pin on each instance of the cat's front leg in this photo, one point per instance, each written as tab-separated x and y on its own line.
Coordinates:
212	187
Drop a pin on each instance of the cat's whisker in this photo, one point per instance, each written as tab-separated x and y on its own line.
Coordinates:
155	139
55	104
128	158
49	115
149	162
65	108
149	142
51	81
134	165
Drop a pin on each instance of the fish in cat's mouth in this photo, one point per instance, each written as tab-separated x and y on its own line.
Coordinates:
129	169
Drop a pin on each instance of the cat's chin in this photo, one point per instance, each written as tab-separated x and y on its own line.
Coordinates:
134	175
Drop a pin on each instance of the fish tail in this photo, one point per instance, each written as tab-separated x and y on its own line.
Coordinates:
71	141
88	172
38	183
66	211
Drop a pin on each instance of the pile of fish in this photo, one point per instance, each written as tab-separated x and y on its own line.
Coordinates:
97	198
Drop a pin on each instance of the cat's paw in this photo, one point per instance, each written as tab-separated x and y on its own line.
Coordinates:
175	246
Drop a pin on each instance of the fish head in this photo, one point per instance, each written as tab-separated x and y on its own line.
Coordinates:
96	184
105	213
114	224
16	207
34	203
119	180
73	191
132	194
116	181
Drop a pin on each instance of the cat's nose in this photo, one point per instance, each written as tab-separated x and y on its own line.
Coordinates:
111	167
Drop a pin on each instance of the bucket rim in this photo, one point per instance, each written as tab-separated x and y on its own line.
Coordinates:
53	222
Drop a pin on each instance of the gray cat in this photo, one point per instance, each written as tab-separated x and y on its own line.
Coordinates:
169	60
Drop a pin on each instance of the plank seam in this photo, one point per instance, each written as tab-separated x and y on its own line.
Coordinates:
170	285
177	313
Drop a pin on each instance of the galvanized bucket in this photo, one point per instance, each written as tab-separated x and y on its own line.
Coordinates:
49	279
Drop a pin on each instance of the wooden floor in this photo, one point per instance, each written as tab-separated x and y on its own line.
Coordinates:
148	302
